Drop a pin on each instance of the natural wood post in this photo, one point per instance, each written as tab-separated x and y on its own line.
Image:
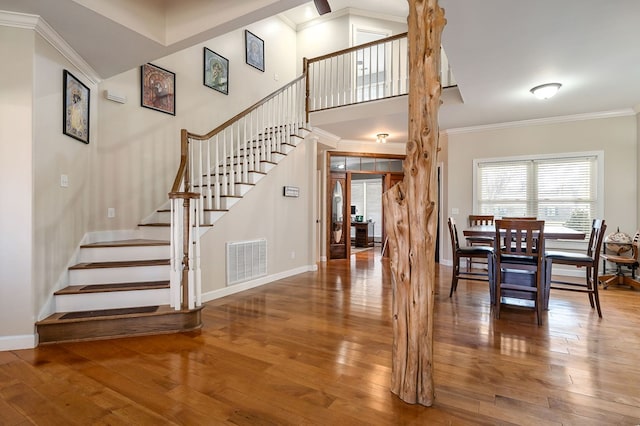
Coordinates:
412	212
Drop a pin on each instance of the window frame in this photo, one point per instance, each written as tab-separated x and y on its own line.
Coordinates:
599	182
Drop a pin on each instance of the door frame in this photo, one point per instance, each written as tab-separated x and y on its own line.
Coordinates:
328	191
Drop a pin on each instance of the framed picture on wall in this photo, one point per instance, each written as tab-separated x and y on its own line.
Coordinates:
254	47
75	107
216	71
158	89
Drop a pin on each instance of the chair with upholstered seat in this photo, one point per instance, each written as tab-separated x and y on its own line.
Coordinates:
519	265
589	260
470	253
631	262
479	240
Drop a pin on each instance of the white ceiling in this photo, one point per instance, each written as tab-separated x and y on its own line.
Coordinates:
498	50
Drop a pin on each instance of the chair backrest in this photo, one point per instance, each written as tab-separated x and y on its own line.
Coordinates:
453	233
523	238
480	219
598	227
519	218
635	246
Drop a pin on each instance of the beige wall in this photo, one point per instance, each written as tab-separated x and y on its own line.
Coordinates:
139	152
17	315
337	34
139	148
61	216
616	137
264	212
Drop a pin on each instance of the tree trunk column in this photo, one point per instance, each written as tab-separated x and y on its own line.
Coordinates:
412	219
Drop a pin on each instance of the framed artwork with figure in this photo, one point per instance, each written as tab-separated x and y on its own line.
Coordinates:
216	71
254	47
75	107
158	89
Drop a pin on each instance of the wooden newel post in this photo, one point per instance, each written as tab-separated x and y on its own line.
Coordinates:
411	222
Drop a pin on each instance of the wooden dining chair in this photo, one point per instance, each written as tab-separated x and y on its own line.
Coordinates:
630	262
480	240
519	265
589	260
470	252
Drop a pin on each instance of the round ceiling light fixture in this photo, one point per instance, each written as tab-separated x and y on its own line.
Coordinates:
382	137
545	91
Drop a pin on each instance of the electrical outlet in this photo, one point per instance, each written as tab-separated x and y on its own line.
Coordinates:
293	254
111	212
455	210
64	181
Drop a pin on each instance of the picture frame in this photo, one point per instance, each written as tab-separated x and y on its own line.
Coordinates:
254	50
215	73
76	97
158	88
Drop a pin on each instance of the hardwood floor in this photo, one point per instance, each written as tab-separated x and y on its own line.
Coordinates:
315	349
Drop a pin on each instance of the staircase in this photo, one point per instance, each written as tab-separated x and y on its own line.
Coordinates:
136	286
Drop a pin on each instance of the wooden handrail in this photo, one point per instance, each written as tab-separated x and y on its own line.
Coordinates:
245	112
182	169
185	135
359	47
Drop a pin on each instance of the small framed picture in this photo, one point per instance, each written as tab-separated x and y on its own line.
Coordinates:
254	47
216	71
75	107
158	89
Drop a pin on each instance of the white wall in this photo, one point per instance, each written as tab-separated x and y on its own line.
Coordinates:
615	136
16	182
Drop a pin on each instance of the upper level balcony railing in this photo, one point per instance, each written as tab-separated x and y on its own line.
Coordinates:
367	72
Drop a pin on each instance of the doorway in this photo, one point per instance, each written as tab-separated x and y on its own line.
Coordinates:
357	220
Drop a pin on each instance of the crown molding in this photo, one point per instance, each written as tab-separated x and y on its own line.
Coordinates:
348	11
40	26
542	121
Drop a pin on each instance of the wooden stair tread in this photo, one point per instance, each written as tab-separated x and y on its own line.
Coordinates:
206	210
117	323
127	243
162	224
120	264
104	288
228	183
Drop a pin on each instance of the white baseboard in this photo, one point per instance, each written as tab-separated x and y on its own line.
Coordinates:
248	285
13	343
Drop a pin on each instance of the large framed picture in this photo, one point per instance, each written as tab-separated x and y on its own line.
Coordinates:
254	47
158	89
216	71
75	107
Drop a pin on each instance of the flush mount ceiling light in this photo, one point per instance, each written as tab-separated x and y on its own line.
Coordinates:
382	137
545	91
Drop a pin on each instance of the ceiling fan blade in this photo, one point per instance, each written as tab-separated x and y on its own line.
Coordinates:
322	6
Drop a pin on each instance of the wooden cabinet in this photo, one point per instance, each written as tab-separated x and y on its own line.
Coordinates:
364	233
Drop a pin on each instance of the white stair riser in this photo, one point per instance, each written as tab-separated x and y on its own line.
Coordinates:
276	157
227	202
266	167
111	300
112	254
287	148
165	217
155	232
118	275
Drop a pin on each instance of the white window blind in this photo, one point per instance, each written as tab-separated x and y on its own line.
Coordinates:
562	190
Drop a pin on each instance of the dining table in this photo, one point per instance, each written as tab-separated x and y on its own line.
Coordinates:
551	232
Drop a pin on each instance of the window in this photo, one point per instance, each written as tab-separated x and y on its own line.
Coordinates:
562	190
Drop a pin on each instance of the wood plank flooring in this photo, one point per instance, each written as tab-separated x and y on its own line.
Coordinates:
315	349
